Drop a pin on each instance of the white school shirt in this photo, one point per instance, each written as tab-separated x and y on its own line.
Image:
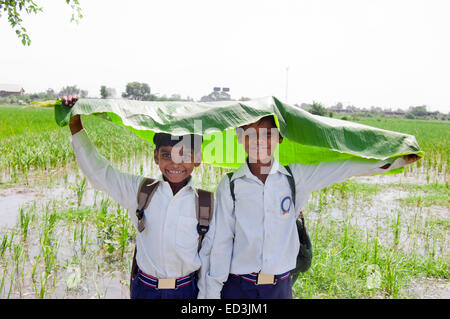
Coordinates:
260	233
167	248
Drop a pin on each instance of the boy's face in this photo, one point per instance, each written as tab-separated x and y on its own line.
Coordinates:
176	162
260	140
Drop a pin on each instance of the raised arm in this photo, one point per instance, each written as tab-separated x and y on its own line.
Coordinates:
122	187
315	177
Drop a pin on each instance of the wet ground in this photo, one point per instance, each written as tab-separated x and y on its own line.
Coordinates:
59	185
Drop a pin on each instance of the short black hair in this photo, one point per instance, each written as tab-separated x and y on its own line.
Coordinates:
164	139
269	118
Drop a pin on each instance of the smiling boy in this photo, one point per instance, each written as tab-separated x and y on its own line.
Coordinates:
256	246
167	242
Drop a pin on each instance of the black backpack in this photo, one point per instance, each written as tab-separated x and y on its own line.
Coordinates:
204	205
304	256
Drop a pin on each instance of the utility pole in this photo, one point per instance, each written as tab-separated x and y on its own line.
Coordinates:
287	80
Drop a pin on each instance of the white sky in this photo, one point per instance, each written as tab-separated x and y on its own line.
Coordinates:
382	53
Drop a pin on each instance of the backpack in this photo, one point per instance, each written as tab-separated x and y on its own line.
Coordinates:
304	256
204	204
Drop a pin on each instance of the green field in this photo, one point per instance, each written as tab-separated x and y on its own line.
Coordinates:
377	237
31	139
433	138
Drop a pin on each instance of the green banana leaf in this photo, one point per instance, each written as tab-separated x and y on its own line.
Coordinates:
308	138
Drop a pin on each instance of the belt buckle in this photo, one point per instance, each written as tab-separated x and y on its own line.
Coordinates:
265	279
168	283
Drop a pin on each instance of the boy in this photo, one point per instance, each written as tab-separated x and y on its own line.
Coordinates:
167	253
256	245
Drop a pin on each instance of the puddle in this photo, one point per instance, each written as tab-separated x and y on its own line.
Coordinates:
361	210
418	178
110	285
380	214
10	202
428	288
14	198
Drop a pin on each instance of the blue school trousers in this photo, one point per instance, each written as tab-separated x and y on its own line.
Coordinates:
245	287
144	287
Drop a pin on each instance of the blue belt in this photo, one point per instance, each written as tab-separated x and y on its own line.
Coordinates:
151	281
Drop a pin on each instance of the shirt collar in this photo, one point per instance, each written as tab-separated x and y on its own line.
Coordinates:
244	170
190	183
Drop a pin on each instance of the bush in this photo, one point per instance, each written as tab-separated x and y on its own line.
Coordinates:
317	109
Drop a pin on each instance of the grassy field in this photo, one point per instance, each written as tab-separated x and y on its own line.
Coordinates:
377	237
433	137
31	139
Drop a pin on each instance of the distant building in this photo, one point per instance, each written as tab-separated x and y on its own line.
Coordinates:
217	95
11	89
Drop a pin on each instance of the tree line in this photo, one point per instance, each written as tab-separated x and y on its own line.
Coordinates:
142	92
133	91
353	112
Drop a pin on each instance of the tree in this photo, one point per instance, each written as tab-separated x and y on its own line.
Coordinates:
103	92
138	91
69	90
217	95
72	90
317	109
375	110
106	92
351	109
51	93
15	9
418	110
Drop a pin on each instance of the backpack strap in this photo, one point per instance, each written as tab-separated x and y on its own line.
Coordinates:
230	175
291	181
290	178
204	204
293	191
145	194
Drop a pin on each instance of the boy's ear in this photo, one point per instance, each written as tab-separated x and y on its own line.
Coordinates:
155	156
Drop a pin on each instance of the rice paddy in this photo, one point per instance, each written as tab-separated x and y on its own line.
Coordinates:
383	236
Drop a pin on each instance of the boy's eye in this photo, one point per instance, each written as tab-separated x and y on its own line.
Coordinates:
166	155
